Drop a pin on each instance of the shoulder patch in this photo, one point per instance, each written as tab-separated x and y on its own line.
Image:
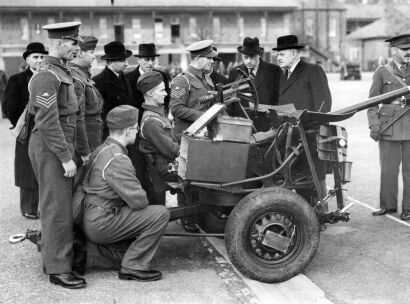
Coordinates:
178	92
46	99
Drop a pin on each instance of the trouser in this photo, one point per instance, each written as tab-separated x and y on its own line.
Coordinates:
392	153
55	201
28	200
144	227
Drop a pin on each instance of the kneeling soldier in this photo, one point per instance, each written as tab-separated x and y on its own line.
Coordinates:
116	206
158	141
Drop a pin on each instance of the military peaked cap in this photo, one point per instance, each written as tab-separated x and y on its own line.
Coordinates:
202	48
402	41
64	30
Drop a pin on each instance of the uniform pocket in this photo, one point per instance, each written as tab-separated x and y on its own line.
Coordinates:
386	115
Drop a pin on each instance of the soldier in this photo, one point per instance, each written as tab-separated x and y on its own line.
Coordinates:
266	76
117	216
146	62
158	141
15	101
390	130
187	87
215	76
88	96
51	149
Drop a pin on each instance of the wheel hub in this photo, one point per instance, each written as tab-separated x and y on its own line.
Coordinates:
272	235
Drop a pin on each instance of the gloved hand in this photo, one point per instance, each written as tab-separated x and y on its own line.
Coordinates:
374	132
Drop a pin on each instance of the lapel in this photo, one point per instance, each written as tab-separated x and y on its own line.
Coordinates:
114	79
396	70
286	83
27	75
260	74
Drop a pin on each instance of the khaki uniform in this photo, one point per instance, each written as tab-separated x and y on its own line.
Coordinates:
54	105
91	101
394	143
116	210
186	88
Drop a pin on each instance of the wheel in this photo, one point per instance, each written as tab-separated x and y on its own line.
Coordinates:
215	221
272	235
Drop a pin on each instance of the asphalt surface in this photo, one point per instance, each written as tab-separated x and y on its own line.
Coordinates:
363	261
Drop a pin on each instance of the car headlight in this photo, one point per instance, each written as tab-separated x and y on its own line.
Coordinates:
342	142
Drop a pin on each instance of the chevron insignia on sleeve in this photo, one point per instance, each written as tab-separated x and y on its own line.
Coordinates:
177	92
46	100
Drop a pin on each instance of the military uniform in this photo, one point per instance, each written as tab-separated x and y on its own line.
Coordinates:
186	88
54	105
394	143
92	102
116	210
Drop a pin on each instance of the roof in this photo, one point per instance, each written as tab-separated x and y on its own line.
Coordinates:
374	30
364	11
273	4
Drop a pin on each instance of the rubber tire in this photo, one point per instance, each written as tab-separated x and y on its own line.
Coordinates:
252	207
212	223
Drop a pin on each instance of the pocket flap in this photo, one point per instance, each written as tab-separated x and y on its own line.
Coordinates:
386	111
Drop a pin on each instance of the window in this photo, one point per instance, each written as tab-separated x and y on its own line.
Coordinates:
192	28
175	29
24	29
263	28
103	28
332	27
216	28
158	29
136	29
241	28
309	27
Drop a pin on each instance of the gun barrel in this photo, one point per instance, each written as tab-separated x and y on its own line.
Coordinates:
230	89
374	101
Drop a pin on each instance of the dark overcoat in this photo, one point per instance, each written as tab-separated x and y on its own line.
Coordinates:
133	77
16	98
266	81
115	91
307	88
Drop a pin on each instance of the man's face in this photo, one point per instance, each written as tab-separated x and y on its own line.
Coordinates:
119	66
68	49
34	60
401	55
205	63
87	57
250	61
158	94
146	63
286	58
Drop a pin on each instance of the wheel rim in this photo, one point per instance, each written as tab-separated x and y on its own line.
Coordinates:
281	222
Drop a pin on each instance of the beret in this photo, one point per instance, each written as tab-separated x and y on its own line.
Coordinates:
148	81
122	117
89	43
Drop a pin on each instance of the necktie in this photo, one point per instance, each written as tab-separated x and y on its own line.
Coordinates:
288	72
251	74
208	79
403	68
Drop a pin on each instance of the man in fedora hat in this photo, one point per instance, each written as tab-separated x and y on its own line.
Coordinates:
54	105
306	86
111	82
147	55
89	98
394	141
15	100
266	76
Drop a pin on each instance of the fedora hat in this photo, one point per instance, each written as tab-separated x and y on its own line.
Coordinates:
115	50
34	47
250	46
146	50
288	42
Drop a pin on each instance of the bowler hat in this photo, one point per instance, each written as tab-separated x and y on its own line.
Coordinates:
115	50
250	46
34	47
146	50
288	42
402	41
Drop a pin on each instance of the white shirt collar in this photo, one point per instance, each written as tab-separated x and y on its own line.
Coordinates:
292	68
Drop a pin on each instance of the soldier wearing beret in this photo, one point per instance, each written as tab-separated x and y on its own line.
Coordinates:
54	105
147	55
89	98
394	140
15	101
117	217
158	141
187	87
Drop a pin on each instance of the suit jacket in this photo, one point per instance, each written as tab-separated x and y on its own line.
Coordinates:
307	88
114	91
266	81
218	78
133	77
384	82
15	100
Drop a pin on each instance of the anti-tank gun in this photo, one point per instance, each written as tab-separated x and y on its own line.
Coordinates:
244	177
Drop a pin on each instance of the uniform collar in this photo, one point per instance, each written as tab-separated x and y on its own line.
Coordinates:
111	140
83	69
54	61
156	109
195	71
